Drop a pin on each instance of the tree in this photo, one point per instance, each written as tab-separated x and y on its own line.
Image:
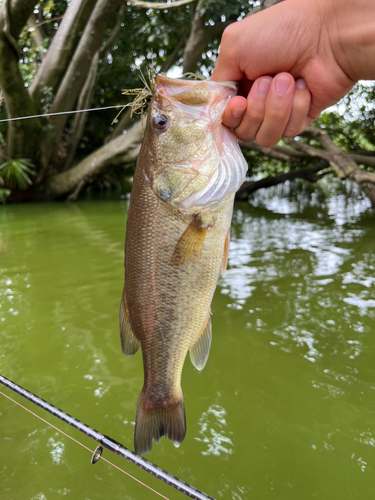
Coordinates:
58	56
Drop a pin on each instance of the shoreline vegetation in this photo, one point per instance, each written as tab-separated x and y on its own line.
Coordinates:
58	57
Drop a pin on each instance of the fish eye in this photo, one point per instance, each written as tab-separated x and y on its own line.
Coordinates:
160	122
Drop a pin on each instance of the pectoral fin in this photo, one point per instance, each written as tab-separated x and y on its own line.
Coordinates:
224	262
129	341
200	350
191	243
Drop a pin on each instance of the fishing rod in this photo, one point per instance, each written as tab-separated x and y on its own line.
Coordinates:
109	443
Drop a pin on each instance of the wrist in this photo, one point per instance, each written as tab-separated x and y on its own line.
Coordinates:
350	28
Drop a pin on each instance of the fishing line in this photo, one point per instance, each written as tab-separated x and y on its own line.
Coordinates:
108	443
62	113
83	446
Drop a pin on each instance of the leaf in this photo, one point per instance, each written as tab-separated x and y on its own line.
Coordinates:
16	173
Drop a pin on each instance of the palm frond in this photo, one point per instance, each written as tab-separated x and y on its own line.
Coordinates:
16	173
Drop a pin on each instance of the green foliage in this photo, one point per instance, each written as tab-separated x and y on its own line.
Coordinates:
149	37
48	15
16	173
47	98
4	194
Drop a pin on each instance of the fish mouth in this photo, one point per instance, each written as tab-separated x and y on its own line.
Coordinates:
188	102
205	164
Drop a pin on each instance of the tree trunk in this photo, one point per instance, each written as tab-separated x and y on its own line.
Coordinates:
18	12
21	135
121	150
200	36
75	76
38	34
62	48
80	118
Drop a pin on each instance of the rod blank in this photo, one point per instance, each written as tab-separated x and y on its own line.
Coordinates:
109	443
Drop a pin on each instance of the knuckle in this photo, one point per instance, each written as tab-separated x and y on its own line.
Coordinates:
228	44
266	142
294	128
300	106
290	132
276	114
245	136
229	32
255	115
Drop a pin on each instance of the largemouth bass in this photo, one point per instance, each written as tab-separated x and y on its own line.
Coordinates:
177	241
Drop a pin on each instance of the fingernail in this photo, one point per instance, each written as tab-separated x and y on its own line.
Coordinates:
264	86
301	84
237	112
282	84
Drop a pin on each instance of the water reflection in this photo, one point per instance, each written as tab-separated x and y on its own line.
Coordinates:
56	450
284	408
214	432
306	270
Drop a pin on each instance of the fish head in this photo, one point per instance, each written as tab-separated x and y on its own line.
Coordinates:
194	159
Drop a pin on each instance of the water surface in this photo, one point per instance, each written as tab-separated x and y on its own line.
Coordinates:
285	408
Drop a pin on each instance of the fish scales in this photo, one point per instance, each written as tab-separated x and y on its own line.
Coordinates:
175	245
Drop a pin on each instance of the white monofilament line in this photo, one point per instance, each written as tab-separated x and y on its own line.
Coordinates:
62	113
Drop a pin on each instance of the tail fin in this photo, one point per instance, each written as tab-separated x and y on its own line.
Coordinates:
153	423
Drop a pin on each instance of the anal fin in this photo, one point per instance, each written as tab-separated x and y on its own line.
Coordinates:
129	342
224	262
191	243
200	350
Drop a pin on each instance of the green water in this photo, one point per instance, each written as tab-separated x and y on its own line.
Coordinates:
285	408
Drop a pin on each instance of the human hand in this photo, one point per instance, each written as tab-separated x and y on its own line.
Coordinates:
274	107
292	40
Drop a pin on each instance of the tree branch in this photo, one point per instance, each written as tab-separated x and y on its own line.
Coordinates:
289	153
6	28
173	57
80	118
21	135
75	76
272	152
200	36
37	33
62	47
362	158
158	5
121	150
120	126
307	173
104	49
341	163
88	91
18	12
